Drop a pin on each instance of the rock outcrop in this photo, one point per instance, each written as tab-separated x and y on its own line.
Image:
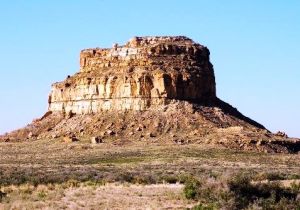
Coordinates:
145	72
152	89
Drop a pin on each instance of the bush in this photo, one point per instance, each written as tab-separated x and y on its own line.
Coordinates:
204	207
143	179
266	195
295	187
71	183
125	177
191	188
2	195
170	179
239	193
268	176
41	195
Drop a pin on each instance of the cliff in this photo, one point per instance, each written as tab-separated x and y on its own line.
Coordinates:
145	72
151	90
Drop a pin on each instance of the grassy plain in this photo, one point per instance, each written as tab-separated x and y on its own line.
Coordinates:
56	175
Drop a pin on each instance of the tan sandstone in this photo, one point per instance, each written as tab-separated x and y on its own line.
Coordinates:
145	72
158	89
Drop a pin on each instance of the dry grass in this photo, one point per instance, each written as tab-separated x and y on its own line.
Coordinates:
85	196
52	173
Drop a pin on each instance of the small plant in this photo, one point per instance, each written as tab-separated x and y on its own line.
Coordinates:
42	195
204	207
171	179
191	188
2	195
271	176
293	176
71	183
94	183
26	189
295	187
125	177
146	179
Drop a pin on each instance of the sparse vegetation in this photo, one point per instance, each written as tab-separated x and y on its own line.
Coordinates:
239	193
191	188
36	173
267	195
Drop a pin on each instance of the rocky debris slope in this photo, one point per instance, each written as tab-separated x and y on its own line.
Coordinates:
153	89
178	122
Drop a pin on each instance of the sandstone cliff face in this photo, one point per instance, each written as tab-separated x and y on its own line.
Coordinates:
167	87
145	72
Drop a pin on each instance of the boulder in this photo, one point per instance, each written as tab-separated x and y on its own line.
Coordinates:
110	132
151	135
30	135
281	134
70	138
96	140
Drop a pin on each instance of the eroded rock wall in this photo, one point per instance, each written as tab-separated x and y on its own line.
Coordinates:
145	72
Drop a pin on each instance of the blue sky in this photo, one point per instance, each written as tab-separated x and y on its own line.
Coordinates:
255	49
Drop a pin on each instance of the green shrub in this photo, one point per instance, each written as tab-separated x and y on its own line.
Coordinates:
204	207
295	187
263	194
42	195
191	188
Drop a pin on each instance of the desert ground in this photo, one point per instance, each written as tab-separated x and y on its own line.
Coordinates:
52	174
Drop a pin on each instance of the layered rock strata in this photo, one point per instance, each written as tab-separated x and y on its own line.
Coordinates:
152	89
145	72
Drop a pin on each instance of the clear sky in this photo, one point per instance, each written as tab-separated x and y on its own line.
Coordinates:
255	49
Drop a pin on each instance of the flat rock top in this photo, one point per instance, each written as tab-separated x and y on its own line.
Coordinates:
152	51
151	67
147	41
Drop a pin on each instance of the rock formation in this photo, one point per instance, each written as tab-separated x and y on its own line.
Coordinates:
147	71
152	89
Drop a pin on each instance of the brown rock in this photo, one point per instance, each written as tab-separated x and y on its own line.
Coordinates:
194	132
152	87
70	139
30	135
260	142
109	126
105	77
281	134
96	140
110	132
179	141
69	114
152	135
131	133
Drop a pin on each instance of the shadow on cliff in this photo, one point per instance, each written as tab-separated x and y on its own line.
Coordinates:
227	109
